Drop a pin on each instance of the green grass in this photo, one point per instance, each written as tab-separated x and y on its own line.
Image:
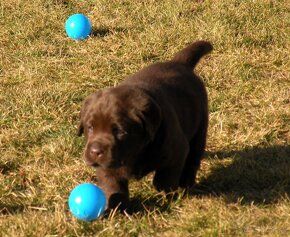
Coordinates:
244	183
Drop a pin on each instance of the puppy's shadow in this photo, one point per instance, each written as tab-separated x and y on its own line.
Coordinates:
102	32
253	175
141	205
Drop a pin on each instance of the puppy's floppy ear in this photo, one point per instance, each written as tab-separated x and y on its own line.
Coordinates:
83	111
150	116
80	130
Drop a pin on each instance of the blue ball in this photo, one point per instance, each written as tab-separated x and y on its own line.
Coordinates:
87	202
78	27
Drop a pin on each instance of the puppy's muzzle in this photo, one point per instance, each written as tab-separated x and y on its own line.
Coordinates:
96	151
97	154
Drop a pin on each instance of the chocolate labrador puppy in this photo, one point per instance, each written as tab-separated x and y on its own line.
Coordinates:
155	121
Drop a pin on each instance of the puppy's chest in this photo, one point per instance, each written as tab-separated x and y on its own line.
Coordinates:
149	161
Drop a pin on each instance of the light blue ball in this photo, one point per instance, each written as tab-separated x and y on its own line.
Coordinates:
78	27
87	202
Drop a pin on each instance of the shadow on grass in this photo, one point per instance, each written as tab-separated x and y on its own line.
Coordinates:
255	175
141	205
10	209
6	167
250	176
105	31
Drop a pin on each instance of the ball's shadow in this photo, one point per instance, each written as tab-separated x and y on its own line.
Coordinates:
140	205
100	32
11	209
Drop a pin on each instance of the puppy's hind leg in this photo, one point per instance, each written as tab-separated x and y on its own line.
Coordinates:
192	164
167	177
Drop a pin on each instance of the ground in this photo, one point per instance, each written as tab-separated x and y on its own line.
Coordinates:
243	186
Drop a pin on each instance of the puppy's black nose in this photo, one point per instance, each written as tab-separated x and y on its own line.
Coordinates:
96	150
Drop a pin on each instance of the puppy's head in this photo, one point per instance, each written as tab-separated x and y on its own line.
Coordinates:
118	123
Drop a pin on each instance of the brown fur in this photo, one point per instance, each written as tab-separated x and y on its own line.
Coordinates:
154	121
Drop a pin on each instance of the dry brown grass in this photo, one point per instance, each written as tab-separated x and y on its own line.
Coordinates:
244	184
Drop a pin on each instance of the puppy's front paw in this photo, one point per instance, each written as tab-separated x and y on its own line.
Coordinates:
164	181
119	201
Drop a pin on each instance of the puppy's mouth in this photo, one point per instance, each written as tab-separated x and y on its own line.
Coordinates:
95	165
90	163
112	164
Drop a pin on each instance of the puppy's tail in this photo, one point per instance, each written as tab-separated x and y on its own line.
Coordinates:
193	53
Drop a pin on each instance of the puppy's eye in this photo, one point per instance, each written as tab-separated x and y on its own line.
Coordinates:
119	133
90	128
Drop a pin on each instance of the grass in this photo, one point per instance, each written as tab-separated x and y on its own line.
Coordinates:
244	183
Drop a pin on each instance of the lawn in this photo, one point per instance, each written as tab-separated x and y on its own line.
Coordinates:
243	187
